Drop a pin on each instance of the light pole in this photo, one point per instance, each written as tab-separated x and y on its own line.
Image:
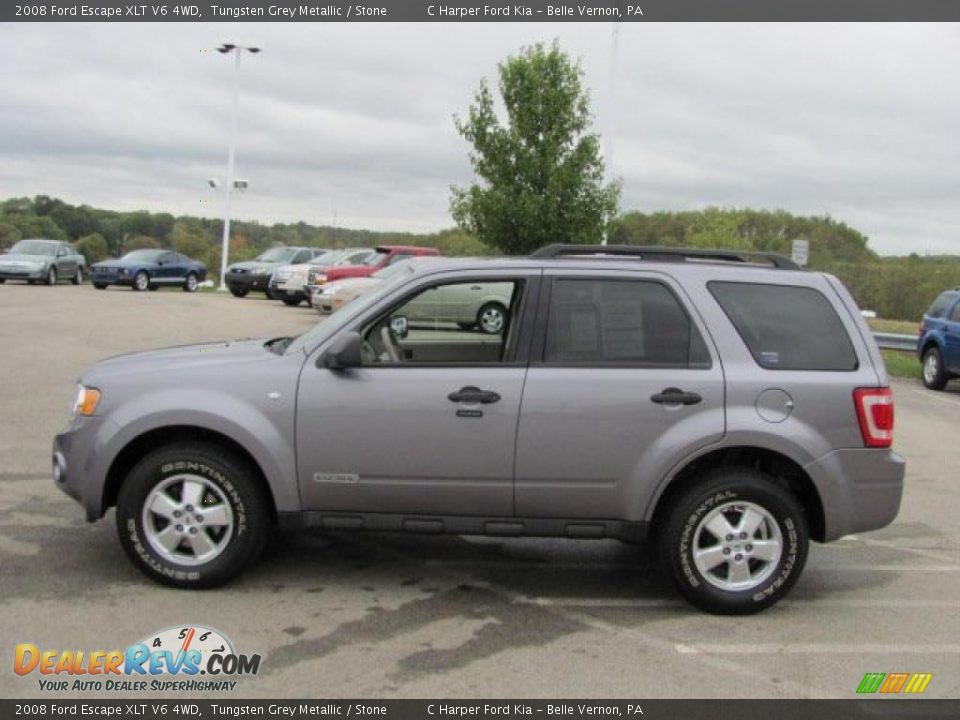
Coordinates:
237	51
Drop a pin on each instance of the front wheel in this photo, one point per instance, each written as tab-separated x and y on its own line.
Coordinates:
192	515
934	374
735	542
141	281
100	286
52	276
79	277
190	283
238	291
291	300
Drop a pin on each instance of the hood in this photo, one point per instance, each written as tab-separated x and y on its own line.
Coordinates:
17	258
178	360
350	271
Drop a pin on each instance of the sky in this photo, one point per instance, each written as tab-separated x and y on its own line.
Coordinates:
355	121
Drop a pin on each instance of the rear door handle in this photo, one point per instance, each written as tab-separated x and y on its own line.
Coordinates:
675	396
471	394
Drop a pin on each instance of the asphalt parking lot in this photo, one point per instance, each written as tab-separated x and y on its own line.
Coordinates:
409	616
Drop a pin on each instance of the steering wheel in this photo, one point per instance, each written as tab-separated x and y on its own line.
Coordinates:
388	345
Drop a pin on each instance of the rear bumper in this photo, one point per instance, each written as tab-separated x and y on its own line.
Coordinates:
860	489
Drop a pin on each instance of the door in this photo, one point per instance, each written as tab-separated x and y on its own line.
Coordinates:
426	426
620	379
951	334
66	262
168	268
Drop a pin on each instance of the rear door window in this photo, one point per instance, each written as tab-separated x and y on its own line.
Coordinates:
787	327
637	323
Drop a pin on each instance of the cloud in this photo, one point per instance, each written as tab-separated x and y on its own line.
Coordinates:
855	121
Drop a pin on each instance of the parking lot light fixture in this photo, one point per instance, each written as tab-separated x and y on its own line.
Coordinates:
229	188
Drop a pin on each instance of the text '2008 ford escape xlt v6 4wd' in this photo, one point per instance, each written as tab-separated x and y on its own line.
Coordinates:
728	406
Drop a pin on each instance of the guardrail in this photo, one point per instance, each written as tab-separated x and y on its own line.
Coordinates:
893	341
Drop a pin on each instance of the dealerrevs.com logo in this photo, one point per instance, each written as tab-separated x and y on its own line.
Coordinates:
187	658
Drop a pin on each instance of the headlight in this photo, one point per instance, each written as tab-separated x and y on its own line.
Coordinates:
87	400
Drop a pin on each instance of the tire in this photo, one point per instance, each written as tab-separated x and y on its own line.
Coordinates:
291	300
229	492
141	281
153	288
467	327
238	291
2	281
487	318
78	278
100	286
190	283
933	373
762	581
51	278
269	294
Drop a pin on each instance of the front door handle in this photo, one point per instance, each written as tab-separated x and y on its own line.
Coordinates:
675	396
471	394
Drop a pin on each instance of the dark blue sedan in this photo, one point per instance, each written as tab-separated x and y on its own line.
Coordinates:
149	270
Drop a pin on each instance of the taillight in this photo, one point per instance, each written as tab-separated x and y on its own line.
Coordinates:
875	413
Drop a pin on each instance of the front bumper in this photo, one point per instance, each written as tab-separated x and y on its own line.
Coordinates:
860	489
15	273
110	277
76	470
248	281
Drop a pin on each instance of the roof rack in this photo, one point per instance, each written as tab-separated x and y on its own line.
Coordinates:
665	254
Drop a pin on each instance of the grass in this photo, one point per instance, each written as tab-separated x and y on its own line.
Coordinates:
902	364
902	327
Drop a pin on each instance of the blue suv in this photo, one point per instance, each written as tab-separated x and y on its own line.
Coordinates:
939	343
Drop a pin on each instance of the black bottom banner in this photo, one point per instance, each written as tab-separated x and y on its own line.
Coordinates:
486	709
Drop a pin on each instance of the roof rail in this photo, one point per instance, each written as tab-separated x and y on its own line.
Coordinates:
665	254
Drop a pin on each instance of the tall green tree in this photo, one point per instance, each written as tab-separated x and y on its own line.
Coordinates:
540	170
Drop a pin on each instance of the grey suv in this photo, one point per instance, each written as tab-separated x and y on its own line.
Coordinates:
729	407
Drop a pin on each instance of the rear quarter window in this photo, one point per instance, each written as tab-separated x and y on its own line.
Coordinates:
787	327
940	305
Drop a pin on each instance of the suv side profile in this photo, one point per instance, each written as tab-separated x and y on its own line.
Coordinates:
727	407
938	341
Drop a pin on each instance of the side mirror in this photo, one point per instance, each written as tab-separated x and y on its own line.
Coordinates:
399	326
345	352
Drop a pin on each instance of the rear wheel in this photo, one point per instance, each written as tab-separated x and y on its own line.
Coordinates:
735	542
934	374
141	281
78	278
238	291
52	276
190	283
291	300
491	318
192	515
100	286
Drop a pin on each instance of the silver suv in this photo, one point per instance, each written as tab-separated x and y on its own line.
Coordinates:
727	406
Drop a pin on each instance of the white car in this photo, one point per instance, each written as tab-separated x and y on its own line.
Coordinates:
333	296
288	282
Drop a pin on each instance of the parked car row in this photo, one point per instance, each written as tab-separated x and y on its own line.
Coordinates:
46	261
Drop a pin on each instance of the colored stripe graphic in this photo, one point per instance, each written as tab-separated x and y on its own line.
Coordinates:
893	683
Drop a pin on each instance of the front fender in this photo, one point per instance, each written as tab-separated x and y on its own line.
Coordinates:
266	436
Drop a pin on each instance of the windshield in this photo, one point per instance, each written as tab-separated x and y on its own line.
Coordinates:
34	247
278	254
374	258
143	255
340	317
404	267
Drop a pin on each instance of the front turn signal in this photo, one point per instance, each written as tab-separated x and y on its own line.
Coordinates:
87	400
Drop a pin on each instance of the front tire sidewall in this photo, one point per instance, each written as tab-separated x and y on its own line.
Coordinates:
676	542
52	276
78	278
190	284
141	281
238	487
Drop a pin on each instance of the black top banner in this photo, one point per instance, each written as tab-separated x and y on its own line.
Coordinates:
477	11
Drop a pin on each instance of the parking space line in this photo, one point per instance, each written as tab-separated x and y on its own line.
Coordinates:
885	568
887	545
930	395
819	649
864	603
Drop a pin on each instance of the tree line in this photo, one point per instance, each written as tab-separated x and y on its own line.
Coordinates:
895	287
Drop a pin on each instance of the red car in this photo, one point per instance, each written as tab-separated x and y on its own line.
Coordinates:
384	255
